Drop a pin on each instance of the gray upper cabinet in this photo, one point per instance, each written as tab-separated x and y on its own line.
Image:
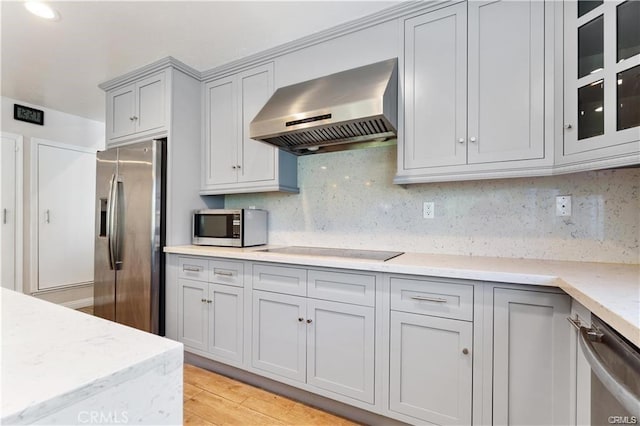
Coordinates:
232	162
474	92
601	90
138	109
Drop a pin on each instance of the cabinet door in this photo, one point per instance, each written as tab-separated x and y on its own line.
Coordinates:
279	334
193	314
221	132
151	103
430	373
506	81
340	342
258	159
601	70
435	75
531	340
66	211
226	321
121	110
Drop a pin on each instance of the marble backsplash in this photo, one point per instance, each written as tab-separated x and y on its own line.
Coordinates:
348	200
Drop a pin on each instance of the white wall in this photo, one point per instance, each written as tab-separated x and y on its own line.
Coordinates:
347	199
58	127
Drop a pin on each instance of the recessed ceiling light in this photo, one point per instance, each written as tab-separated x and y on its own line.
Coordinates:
42	10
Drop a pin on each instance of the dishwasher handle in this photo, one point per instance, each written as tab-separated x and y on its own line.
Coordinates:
627	398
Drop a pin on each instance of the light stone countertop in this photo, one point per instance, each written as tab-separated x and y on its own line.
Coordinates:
54	357
609	290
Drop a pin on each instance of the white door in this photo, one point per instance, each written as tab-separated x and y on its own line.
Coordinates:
341	343
226	321
506	81
435	73
279	334
121	112
65	206
11	212
194	313
431	368
531	358
257	158
221	133
151	103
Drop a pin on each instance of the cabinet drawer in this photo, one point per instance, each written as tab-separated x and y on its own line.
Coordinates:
193	268
226	272
280	279
436	298
344	287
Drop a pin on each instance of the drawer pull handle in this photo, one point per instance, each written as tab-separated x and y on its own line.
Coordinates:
226	274
191	268
429	299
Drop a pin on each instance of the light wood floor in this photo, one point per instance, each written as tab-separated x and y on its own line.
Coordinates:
212	399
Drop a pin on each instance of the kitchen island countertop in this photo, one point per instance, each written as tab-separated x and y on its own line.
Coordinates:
609	290
67	367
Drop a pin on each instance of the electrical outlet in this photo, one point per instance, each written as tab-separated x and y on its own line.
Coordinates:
563	205
428	210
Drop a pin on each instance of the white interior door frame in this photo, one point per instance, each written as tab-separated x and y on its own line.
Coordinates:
35	208
19	190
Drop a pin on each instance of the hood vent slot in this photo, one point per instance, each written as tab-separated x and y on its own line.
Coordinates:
329	135
354	107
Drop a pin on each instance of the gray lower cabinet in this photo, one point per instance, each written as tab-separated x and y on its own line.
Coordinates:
326	344
431	343
414	348
531	357
211	308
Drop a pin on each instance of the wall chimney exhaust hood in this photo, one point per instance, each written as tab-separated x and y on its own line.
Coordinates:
346	110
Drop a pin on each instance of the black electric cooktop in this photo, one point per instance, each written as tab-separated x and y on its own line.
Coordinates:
375	255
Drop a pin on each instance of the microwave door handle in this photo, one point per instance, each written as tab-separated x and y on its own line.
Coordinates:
110	224
627	398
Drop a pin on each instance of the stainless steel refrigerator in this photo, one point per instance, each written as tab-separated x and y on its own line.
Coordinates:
129	263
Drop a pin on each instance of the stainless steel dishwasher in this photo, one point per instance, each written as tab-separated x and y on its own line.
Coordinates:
615	373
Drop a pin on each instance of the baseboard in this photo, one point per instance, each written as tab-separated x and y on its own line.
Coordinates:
80	303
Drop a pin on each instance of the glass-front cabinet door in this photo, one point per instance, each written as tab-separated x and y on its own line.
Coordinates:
601	75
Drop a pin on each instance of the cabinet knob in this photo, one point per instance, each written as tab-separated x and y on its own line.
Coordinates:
203	300
568	126
131	118
135	118
461	140
465	351
234	167
473	139
238	166
309	321
209	301
300	319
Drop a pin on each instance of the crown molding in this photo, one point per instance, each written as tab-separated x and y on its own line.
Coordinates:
158	65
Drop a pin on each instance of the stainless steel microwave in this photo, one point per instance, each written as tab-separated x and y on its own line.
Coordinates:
230	228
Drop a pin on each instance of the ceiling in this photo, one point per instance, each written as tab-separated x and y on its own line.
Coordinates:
59	64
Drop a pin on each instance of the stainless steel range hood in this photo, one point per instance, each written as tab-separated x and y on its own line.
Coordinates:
336	112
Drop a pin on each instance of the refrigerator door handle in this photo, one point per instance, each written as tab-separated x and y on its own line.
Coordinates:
110	222
117	223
